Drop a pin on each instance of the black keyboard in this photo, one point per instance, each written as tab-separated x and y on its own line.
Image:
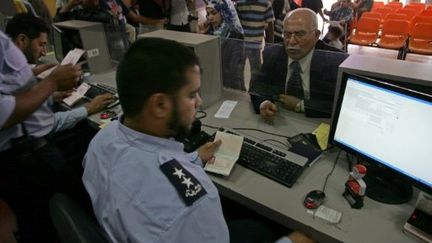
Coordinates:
270	161
99	89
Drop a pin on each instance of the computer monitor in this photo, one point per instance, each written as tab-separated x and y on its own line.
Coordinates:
207	48
89	36
389	127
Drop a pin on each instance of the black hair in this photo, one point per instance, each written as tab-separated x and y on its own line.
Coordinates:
25	23
152	65
336	30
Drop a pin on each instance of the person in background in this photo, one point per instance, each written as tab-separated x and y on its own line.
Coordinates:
30	33
155	10
314	5
179	16
256	16
334	34
361	6
342	13
222	20
31	167
280	9
298	75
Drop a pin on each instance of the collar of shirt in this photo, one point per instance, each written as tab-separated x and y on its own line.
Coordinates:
305	64
168	148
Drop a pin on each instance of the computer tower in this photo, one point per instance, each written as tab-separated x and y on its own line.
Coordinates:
86	35
207	48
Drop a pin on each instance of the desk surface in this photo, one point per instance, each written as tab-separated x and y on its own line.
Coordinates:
375	222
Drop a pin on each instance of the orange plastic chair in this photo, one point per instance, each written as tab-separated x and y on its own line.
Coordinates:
410	13
426	13
417	8
420	40
394	5
377	4
420	19
371	15
394	34
366	31
396	16
383	11
420	6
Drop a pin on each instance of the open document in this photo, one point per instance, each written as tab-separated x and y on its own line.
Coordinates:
71	58
227	154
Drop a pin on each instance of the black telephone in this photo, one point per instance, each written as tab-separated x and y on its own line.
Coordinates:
196	137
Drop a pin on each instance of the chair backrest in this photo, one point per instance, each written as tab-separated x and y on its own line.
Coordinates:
417	8
396	16
383	11
420	19
426	13
422	31
377	4
409	12
394	5
371	15
73	223
368	25
395	27
420	6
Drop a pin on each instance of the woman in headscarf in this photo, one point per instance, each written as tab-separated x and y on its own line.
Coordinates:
222	20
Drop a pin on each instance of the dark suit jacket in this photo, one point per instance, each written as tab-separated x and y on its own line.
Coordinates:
269	83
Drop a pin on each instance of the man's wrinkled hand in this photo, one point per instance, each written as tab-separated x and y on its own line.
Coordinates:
268	110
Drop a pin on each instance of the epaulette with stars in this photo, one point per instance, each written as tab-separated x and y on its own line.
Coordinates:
185	183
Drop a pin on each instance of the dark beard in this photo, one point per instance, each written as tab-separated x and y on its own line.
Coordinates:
179	131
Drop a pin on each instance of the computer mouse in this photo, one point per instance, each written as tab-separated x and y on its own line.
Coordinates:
314	199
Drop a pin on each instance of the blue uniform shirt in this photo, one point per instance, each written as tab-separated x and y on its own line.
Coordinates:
16	76
135	201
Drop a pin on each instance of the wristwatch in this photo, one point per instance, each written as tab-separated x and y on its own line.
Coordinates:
297	108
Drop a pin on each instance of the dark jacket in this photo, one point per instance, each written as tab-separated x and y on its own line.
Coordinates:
269	83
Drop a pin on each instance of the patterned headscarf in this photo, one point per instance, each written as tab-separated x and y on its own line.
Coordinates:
228	12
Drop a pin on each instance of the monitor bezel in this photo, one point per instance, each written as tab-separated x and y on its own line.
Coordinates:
385	85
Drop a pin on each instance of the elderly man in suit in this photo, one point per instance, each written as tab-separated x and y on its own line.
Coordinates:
301	77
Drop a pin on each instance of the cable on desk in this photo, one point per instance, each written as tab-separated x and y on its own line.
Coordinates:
258	130
331	171
201	116
210	126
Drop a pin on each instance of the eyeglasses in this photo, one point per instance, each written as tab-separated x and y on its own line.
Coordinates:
297	35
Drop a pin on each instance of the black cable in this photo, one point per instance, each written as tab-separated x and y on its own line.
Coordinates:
210	126
258	130
204	114
331	171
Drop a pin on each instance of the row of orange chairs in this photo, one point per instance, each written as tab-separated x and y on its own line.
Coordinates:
413	21
395	34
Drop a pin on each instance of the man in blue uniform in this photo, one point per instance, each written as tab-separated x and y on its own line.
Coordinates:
25	121
143	187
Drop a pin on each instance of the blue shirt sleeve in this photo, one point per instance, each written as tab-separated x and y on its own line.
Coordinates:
68	119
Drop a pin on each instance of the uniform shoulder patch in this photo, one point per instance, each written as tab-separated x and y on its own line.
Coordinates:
187	186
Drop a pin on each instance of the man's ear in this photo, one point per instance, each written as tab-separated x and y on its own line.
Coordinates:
160	105
22	41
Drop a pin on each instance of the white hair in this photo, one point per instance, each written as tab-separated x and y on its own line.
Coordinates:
312	14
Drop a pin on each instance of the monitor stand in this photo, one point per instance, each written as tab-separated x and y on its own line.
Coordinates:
384	186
